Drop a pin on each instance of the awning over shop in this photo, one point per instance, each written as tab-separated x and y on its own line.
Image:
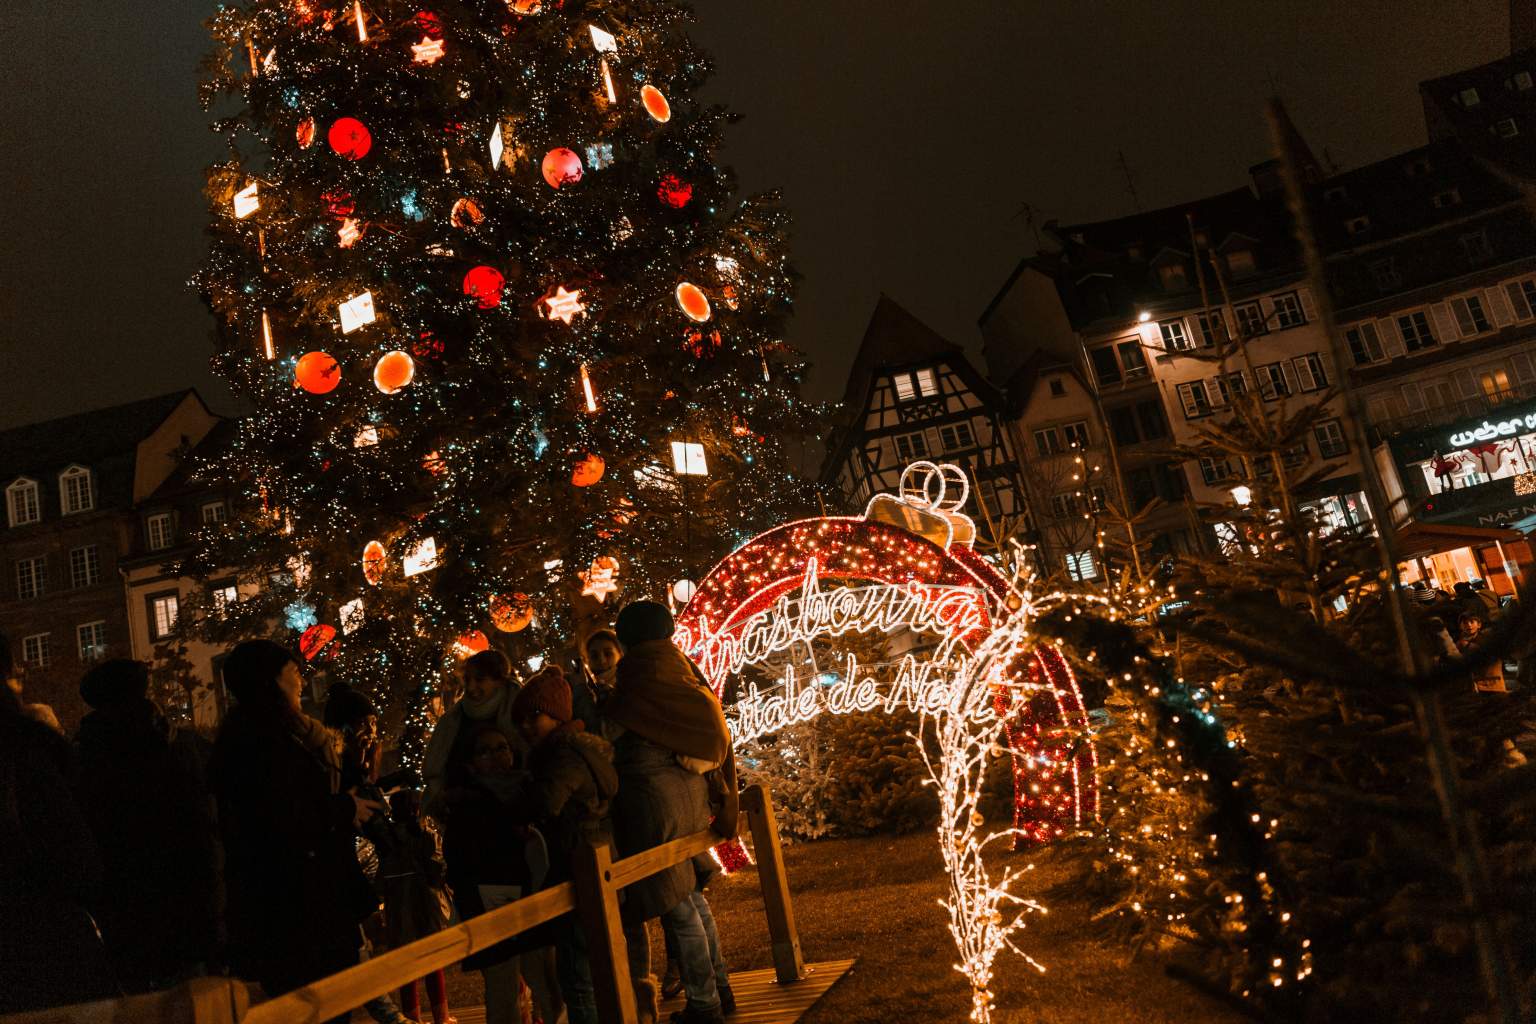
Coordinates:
1417	539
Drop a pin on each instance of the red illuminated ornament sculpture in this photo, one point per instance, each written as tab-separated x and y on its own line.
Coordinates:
525	6
339	203
375	561
314	640
349	138
655	104
316	373
394	372
693	302
428	346
484	285
588	471
701	345
561	167
511	614
674	191
905	565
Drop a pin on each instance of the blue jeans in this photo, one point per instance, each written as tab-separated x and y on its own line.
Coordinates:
707	919
683	926
575	971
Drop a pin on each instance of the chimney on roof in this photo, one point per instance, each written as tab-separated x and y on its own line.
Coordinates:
1522	24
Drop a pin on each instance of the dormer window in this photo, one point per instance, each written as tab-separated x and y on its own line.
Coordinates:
1505	128
1518	82
1240	262
1416	167
22	503
1443	200
1357	225
919	384
75	493
1173	277
1335	194
1468	98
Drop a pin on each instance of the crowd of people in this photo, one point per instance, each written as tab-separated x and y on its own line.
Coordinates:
1453	625
139	856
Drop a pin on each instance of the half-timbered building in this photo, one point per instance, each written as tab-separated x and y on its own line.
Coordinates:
913	395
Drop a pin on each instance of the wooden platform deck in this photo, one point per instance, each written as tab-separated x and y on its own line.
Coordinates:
759	998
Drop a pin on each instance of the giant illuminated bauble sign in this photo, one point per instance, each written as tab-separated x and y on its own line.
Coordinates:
904	567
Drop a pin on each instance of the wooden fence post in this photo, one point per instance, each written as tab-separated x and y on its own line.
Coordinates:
788	963
597	906
218	1000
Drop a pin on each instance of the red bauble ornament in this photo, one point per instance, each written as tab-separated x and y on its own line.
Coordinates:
305	133
693	302
526	6
393	372
655	103
314	639
375	560
349	138
484	285
674	191
470	643
428	24
511	614
316	373
561	167
589	470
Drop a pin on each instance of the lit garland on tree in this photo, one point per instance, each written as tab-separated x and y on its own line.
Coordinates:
467	346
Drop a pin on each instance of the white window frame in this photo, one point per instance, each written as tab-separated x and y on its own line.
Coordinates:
160	531
1522	297
927	383
1253	325
164	609
1213	327
1311	375
35	652
1414	326
1176	337
1331	442
1229	385
905	391
1288	311
1048	442
211	513
1075	434
35	572
23	502
1196	400
950	438
84	566
223	595
1368	338
84	500
1215	471
913	451
93	647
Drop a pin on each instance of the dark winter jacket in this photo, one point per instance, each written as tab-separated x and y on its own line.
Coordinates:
49	871
572	781
658	801
296	893
411	879
484	844
144	795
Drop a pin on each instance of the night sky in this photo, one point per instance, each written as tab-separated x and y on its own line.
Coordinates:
909	137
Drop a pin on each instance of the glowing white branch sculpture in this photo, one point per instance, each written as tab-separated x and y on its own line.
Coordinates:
984	912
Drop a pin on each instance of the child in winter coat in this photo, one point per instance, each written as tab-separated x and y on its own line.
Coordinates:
412	876
571	780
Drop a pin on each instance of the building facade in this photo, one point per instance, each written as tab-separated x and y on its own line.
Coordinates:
914	396
72	491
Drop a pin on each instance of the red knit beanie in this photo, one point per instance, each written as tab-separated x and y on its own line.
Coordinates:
546	691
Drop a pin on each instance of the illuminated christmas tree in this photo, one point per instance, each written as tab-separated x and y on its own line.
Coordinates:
507	332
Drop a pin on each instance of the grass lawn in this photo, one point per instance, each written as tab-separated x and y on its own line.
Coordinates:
876	900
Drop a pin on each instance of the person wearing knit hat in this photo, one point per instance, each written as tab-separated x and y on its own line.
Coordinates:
571	781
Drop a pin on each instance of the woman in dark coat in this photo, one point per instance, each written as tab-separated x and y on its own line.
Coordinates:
296	892
674	732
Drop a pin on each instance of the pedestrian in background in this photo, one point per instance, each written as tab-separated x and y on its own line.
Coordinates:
413	879
489	687
144	792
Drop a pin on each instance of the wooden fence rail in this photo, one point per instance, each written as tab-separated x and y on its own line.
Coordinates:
593	894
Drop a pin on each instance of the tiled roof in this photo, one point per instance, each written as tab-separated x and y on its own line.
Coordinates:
894	338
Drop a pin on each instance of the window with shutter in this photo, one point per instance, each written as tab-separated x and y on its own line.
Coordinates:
1250	320
1272	381
927	385
1288	312
1525	372
1416	331
1310	375
1364	343
1213	327
1470	317
1194	398
1174	337
1047	442
904	390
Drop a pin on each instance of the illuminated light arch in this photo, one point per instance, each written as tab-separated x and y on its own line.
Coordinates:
920	575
